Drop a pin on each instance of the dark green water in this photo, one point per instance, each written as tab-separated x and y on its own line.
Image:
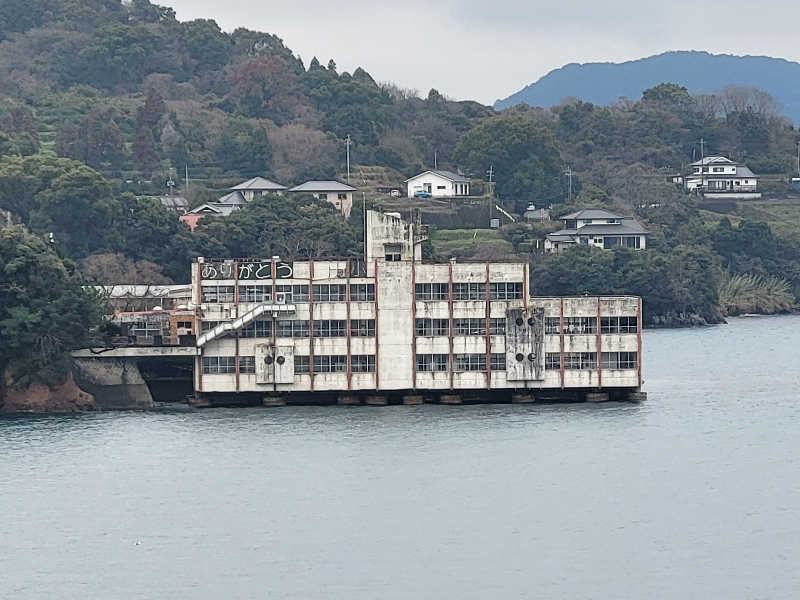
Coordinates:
695	494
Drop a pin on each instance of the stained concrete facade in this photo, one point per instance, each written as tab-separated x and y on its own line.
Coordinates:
393	323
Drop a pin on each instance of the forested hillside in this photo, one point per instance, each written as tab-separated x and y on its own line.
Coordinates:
102	103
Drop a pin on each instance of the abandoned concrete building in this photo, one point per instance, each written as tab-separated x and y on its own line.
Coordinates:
390	327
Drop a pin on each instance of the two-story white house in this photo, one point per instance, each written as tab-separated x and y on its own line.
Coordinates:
439	184
597	228
337	193
720	177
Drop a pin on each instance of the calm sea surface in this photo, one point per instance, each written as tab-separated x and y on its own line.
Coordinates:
694	494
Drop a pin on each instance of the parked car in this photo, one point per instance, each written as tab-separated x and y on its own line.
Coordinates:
422	194
395	193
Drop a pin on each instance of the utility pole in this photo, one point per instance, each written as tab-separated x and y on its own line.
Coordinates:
568	173
435	160
347	143
702	166
187	180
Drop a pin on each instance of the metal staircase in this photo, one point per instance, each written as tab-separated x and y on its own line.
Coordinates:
244	320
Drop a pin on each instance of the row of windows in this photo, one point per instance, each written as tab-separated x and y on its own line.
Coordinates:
467	291
359	363
588	360
291	294
441	327
584	325
431	363
293	329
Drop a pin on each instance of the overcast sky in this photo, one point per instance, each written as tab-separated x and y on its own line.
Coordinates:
483	50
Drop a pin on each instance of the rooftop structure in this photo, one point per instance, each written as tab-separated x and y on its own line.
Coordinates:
257	187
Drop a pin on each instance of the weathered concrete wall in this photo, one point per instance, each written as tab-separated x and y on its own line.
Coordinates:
115	383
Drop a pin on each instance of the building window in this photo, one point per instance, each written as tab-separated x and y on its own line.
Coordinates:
469	291
498	362
184	325
393	252
255	293
432	327
208	325
572	325
219	365
341	196
580	360
299	294
362	292
362	327
552	361
469	362
330	292
322	196
469	327
619	360
213	294
332	328
631	242
505	291
431	291
257	329
497	326
364	363
302	364
247	364
619	324
292	329
330	364
432	363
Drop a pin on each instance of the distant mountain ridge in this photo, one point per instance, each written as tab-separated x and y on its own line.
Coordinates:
700	72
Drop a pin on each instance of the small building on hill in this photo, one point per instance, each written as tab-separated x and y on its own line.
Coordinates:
536	215
257	187
597	228
337	193
439	184
721	177
223	207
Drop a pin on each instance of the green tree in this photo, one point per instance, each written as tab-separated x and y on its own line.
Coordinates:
524	155
44	311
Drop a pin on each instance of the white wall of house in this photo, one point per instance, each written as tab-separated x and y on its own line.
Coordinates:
437	186
342	201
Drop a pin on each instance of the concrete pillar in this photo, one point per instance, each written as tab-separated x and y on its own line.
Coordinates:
522	399
450	399
413	399
376	400
348	400
115	383
199	400
636	397
270	400
596	396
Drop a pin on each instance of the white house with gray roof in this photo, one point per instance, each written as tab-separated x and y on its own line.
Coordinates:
439	184
257	187
598	228
721	177
337	193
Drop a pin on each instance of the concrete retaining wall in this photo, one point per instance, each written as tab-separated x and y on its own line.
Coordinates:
115	383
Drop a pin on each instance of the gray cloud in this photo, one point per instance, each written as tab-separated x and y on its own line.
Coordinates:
475	49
